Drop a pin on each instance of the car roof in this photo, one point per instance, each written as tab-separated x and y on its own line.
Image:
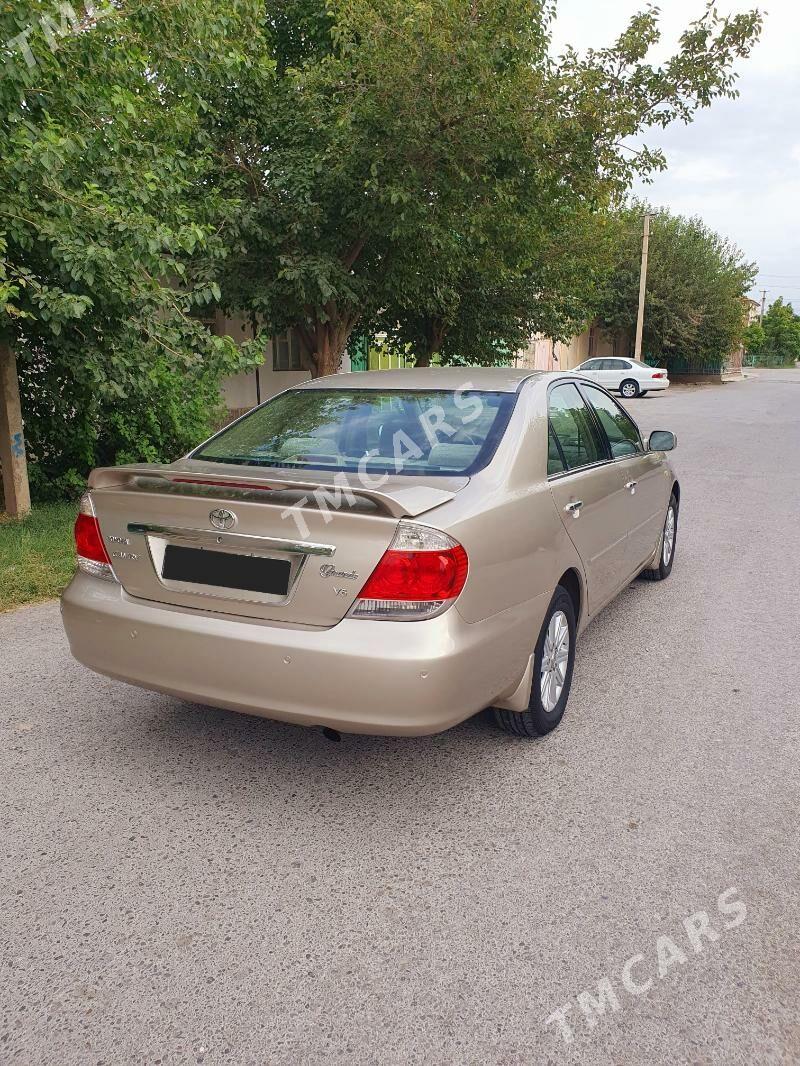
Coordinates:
480	378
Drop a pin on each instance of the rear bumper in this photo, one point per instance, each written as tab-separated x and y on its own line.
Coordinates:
404	678
652	386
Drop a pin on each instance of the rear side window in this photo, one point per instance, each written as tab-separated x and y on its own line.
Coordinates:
623	436
574	427
555	464
426	433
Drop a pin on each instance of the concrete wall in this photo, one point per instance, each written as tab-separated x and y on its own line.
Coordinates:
244	391
545	354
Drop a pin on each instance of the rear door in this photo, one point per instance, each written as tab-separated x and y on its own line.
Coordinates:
643	475
591	369
588	492
613	373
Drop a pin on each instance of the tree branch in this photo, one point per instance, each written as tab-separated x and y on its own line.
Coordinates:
355	250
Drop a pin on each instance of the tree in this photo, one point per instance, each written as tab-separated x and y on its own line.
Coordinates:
310	163
399	156
695	284
484	310
108	236
775	341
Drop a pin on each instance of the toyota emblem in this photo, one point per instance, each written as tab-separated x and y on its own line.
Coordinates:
222	518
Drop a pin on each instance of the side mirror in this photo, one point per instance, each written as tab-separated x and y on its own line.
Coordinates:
661	440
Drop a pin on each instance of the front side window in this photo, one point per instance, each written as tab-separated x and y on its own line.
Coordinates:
427	433
593	364
573	425
623	436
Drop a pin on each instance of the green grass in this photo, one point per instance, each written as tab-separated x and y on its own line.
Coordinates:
37	557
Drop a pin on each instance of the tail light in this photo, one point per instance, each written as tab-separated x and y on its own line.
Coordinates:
419	576
92	555
659	374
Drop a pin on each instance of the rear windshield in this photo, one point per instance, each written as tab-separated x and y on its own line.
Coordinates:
395	432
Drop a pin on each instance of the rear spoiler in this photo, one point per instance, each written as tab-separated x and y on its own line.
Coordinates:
398	501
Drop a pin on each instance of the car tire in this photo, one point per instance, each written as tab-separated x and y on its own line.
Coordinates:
629	389
666	545
543	715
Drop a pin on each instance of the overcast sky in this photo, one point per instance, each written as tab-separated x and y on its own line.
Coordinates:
738	164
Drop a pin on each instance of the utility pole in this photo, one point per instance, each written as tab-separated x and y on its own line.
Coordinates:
12	442
763	305
637	354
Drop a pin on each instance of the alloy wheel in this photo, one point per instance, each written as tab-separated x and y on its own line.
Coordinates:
555	656
669	537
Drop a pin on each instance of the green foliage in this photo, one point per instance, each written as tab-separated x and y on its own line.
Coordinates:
96	406
109	235
696	282
320	163
491	308
402	165
776	340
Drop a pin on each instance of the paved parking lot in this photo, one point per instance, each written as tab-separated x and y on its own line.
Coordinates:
181	884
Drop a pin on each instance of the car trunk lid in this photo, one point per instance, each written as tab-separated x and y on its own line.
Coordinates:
268	543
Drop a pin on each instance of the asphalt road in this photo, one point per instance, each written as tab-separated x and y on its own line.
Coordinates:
181	884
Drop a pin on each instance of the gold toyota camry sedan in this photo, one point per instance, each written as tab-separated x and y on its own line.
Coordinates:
385	552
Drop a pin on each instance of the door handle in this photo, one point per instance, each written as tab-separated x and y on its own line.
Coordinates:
574	508
632	486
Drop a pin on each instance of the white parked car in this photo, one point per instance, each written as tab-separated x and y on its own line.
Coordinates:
629	377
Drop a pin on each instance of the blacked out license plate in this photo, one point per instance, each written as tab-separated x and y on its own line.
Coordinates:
250	573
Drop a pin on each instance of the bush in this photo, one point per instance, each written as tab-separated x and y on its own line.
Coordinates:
118	404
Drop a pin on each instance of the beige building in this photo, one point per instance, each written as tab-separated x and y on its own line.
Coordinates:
282	367
752	310
543	353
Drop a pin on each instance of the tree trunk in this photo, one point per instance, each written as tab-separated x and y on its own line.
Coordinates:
434	338
326	340
12	441
327	329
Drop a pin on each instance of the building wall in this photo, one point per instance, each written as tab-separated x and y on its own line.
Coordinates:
752	310
543	353
243	391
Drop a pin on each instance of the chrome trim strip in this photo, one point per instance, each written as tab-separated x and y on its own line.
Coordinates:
580	469
273	543
594	466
